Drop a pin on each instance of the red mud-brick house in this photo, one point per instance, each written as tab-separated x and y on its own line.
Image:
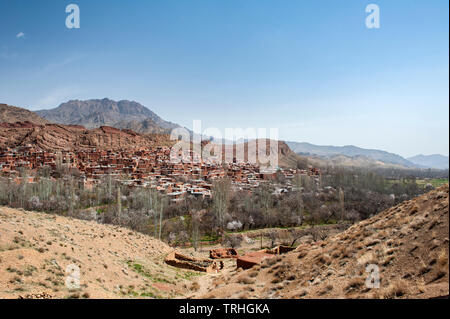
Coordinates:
141	166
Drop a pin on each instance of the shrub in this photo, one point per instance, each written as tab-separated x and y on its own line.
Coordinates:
232	241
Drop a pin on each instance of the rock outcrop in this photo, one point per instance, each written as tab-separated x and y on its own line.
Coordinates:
13	114
95	113
53	137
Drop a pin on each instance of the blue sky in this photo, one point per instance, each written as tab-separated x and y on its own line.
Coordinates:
310	68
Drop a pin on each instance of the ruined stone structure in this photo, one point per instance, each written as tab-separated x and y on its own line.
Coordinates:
281	249
220	253
181	261
252	259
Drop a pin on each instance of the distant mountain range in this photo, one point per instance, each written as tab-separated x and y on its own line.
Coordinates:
434	161
122	114
357	156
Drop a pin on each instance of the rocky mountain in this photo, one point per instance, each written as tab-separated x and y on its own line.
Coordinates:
13	114
405	246
53	137
432	161
350	151
105	112
145	127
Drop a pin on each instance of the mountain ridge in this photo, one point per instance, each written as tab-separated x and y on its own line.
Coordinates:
123	114
438	161
128	115
330	151
53	137
12	114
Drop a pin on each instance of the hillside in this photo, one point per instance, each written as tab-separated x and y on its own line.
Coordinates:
283	151
36	248
362	162
105	112
13	114
408	242
432	161
356	161
147	126
53	137
350	155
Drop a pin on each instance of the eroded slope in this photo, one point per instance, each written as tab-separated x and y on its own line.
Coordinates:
114	262
408	242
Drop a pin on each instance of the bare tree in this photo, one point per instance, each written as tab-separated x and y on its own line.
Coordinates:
318	233
341	203
273	236
299	205
119	204
71	196
232	241
59	167
265	197
221	191
195	224
161	210
24	185
302	163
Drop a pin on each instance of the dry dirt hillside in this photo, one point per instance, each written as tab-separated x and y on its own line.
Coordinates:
114	262
408	242
12	114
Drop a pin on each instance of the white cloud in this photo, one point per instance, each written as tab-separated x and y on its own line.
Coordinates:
20	35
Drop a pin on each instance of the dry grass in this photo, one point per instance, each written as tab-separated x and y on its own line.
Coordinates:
355	284
368	258
245	279
324	259
108	257
325	290
442	258
268	262
421	285
397	289
195	286
387	260
424	268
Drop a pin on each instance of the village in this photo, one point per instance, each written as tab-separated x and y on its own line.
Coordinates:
145	167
